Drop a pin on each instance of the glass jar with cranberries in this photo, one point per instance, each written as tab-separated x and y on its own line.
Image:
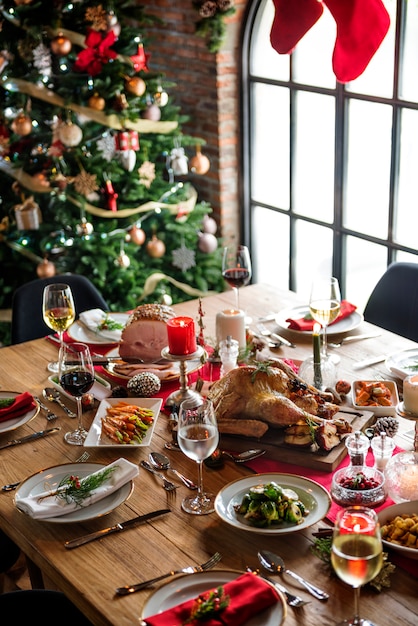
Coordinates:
358	484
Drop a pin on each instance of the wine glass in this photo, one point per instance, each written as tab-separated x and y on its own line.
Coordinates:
325	304
58	312
236	268
198	437
356	553
76	376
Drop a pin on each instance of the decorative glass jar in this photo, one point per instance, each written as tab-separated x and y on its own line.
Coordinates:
402	477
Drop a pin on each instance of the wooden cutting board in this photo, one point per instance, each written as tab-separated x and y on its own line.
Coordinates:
273	442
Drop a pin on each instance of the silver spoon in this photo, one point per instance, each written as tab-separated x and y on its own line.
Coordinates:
162	462
53	395
275	564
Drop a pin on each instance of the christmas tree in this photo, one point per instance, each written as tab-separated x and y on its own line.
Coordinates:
95	171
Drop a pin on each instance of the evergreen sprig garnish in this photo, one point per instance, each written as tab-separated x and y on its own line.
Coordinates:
110	324
262	366
208	606
73	489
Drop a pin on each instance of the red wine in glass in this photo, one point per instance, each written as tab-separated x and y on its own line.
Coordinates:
236	268
76	377
77	383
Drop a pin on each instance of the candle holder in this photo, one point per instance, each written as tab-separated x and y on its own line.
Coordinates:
184	393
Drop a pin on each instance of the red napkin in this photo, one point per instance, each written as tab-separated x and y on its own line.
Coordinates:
22	404
307	325
249	595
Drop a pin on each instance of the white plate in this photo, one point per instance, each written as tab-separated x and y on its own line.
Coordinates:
345	325
51	477
191	366
315	498
15	422
101	388
79	332
186	588
404	363
377	410
387	514
95	439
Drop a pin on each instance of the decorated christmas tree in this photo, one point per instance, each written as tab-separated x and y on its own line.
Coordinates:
95	172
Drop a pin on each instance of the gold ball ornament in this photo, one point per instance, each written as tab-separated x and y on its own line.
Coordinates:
137	235
46	269
135	86
199	164
123	260
19	2
97	103
22	125
85	228
155	248
61	45
70	134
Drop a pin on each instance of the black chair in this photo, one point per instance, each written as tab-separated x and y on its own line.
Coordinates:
50	607
27	320
393	303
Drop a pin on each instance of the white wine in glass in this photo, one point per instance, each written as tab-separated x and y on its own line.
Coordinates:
236	268
356	553
325	305
76	376
58	311
198	437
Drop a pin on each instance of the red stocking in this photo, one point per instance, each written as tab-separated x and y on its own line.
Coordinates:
293	18
361	27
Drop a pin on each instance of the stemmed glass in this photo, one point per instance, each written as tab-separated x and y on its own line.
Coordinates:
76	376
236	268
198	437
58	311
356	553
325	304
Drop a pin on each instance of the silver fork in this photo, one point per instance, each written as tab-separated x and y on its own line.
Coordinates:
191	569
50	415
167	484
83	457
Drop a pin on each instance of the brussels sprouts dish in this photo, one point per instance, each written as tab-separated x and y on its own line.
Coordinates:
271	505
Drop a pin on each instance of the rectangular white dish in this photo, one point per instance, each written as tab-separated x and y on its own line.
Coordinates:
101	388
96	438
377	410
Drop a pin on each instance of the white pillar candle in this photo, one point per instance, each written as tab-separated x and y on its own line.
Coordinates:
231	322
410	394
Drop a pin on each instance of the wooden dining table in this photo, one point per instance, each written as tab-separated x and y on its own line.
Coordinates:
89	575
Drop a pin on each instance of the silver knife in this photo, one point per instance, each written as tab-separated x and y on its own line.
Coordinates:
359	337
371	361
117	528
38	435
283	340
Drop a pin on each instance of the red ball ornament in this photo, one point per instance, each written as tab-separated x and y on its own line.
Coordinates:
60	45
135	86
156	248
46	269
137	235
22	125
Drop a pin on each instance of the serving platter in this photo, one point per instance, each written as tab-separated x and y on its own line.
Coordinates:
389	513
347	324
315	498
79	332
11	424
191	366
97	439
51	477
185	588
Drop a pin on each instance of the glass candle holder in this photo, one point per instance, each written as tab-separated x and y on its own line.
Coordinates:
402	477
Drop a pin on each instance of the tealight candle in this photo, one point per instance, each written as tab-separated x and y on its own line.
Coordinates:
410	394
231	322
181	336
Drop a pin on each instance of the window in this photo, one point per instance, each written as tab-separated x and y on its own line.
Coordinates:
330	169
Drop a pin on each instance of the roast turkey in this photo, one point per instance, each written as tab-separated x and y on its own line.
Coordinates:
249	400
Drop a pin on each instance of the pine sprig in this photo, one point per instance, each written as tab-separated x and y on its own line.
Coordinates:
208	606
72	489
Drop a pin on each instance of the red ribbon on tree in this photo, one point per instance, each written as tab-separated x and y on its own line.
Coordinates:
127	140
361	27
97	52
111	196
140	59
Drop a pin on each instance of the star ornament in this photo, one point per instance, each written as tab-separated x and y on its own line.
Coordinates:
85	183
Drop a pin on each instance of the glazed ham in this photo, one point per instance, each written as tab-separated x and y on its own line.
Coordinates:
248	400
145	333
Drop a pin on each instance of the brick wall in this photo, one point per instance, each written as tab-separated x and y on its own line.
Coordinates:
207	90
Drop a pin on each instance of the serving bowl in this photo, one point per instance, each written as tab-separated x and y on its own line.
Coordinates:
387	410
387	515
358	485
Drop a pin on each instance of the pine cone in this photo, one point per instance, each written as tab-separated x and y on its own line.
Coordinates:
388	425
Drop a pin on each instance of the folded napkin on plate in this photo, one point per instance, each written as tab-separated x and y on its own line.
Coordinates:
307	324
22	403
248	594
94	318
38	506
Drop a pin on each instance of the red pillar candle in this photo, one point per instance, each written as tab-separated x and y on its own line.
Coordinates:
181	336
